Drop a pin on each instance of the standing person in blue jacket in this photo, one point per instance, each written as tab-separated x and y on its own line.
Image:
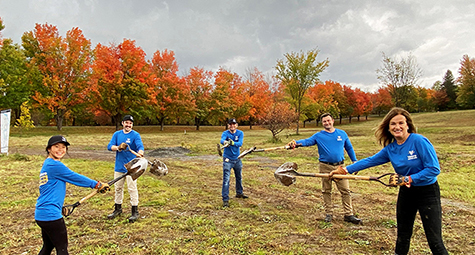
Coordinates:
332	143
120	142
52	185
413	157
232	139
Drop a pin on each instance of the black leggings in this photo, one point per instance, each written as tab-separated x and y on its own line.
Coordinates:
54	236
426	200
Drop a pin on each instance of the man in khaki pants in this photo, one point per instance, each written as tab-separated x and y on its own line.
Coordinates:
332	143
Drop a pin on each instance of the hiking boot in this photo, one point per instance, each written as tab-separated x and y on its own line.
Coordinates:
241	196
328	218
225	204
352	219
135	214
117	211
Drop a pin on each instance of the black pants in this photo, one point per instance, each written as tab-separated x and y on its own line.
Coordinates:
54	236
426	200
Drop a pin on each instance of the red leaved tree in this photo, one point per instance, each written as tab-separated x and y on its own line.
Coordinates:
120	77
65	66
170	95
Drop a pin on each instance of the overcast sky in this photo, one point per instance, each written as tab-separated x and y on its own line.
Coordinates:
240	35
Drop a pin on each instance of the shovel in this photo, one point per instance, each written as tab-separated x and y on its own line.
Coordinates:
135	168
286	173
254	149
157	167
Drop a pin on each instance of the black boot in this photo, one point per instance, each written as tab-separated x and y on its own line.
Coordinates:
135	214
117	211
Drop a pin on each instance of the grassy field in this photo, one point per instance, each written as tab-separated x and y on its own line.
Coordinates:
182	213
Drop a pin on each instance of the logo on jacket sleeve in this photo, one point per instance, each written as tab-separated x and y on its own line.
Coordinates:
411	155
43	178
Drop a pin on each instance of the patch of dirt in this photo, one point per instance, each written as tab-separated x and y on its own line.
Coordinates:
168	152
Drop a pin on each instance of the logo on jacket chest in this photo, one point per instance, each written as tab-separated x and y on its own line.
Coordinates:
339	139
411	155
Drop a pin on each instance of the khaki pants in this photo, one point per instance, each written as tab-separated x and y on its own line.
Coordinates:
131	187
343	186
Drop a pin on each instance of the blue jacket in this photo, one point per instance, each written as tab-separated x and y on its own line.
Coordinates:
53	178
135	143
232	152
331	146
416	157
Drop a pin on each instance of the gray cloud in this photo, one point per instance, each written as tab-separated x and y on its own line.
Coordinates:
239	35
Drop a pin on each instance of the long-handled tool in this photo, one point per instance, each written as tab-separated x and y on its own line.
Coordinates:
157	167
135	168
254	149
221	148
286	173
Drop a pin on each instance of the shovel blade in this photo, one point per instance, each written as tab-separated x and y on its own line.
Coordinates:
136	167
284	174
248	151
158	168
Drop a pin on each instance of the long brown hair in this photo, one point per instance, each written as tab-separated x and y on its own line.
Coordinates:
382	131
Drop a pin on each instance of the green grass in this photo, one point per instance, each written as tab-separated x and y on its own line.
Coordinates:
181	213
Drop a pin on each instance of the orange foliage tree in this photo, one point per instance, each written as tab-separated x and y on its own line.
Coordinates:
362	104
382	100
170	95
119	80
258	95
227	99
65	66
322	100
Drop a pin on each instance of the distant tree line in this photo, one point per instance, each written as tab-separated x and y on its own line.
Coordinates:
66	81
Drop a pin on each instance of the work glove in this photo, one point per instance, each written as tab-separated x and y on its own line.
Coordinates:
226	143
292	144
102	187
339	170
399	180
230	141
122	146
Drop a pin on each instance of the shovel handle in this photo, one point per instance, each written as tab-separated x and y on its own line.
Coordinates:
343	176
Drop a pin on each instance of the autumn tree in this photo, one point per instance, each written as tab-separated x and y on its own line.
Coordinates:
258	95
425	102
15	87
24	122
362	104
201	87
64	64
439	97
119	80
321	100
279	117
466	92
298	72
170	95
227	98
400	76
382	101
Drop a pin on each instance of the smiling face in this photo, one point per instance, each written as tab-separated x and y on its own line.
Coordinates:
57	151
233	127
398	128
127	125
327	123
